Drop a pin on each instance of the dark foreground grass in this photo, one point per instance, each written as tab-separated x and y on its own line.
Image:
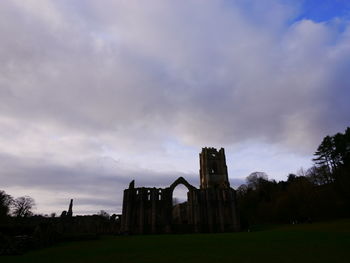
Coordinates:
319	242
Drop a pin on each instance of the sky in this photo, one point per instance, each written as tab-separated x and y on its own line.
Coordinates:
94	94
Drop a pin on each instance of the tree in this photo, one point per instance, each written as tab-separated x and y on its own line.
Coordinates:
347	148
103	214
324	153
256	179
319	175
5	204
22	206
334	151
242	190
291	178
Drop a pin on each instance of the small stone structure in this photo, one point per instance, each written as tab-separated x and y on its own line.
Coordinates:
212	208
70	209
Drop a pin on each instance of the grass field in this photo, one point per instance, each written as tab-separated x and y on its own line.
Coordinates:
318	242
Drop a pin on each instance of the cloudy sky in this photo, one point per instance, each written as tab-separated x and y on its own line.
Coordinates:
95	93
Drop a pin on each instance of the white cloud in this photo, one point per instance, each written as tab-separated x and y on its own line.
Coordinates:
82	80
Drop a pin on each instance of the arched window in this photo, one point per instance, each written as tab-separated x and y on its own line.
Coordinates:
214	168
180	194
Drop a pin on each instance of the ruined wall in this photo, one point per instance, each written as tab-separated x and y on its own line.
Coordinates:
146	210
212	208
150	210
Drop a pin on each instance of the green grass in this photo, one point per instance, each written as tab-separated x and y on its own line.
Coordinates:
318	242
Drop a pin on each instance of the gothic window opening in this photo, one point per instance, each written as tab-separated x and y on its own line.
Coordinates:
214	168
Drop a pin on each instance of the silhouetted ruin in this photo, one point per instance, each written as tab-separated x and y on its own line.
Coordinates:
70	209
212	208
65	214
322	191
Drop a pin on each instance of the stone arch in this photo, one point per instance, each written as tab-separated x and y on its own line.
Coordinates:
179	213
178	181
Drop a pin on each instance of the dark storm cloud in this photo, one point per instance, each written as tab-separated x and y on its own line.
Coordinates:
100	187
80	177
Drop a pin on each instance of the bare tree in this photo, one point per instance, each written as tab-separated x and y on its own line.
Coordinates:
5	203
254	180
22	206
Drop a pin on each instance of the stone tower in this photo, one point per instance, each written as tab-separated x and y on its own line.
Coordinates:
213	169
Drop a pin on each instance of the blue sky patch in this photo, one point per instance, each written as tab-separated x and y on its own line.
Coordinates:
324	10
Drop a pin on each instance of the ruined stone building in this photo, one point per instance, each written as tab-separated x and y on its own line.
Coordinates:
211	208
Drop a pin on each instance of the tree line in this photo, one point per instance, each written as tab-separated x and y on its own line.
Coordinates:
17	207
318	193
